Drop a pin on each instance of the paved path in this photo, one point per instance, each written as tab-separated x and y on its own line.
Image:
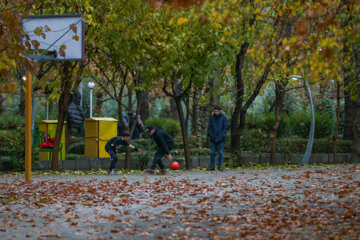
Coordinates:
305	203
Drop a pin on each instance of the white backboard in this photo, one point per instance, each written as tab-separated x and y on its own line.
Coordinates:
54	37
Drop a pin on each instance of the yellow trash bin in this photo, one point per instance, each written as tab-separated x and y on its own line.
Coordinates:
98	131
50	127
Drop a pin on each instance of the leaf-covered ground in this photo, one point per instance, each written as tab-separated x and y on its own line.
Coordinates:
304	203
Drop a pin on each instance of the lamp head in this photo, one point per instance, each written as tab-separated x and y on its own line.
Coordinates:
91	85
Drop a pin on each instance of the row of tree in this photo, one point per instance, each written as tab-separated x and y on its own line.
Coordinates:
195	52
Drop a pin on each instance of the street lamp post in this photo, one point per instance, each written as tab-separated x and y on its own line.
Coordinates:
91	85
309	146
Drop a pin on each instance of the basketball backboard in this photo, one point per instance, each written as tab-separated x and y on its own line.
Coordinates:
54	37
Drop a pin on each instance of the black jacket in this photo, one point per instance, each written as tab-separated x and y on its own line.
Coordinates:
163	140
76	114
117	142
138	128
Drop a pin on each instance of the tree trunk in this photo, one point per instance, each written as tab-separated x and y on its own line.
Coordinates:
144	105
188	161
130	103
67	137
174	110
335	138
195	113
355	155
236	129
127	152
279	94
64	102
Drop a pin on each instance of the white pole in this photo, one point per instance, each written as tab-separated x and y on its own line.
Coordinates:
91	102
91	85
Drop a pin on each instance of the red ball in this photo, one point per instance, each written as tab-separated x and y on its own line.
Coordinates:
175	165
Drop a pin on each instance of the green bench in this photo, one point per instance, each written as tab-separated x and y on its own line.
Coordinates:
38	139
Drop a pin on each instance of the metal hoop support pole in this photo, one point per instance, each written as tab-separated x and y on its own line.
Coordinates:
28	106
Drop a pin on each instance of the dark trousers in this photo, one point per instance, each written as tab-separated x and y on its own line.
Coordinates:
113	158
157	158
214	147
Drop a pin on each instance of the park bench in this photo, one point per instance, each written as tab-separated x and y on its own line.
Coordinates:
42	141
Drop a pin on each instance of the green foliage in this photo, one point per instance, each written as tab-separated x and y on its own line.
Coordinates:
255	140
323	145
76	148
148	149
300	124
169	125
325	105
13	146
11	121
266	122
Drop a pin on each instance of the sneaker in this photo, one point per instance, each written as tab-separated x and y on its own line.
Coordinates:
162	172
113	172
149	171
210	169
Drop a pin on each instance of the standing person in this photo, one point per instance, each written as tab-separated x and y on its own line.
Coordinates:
138	127
165	143
115	143
120	127
75	116
218	127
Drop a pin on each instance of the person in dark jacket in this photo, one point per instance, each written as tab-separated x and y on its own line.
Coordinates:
120	127
165	143
218	127
75	116
138	127
114	144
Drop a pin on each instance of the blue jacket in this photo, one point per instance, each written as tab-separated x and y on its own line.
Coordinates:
218	127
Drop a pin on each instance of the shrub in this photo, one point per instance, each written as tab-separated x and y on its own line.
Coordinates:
266	122
300	124
255	140
13	146
77	148
11	121
169	125
147	148
323	145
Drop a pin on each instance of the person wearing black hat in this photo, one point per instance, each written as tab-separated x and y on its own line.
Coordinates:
217	129
115	143
165	143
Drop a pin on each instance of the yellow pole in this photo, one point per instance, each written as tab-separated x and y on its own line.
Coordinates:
28	127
